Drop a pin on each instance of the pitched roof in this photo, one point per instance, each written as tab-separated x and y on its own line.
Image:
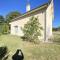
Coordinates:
32	11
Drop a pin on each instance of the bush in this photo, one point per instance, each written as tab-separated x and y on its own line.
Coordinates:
5	28
3	52
32	29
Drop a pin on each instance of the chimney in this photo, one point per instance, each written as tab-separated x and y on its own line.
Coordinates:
28	6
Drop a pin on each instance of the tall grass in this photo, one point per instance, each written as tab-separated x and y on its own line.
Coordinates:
31	51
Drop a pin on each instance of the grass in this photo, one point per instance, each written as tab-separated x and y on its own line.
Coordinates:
42	51
56	37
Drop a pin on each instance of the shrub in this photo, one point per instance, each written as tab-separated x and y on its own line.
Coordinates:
32	29
5	28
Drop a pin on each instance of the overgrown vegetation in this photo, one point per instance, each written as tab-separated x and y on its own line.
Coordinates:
5	28
4	22
32	29
56	28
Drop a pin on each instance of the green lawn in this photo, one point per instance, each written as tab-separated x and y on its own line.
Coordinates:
42	51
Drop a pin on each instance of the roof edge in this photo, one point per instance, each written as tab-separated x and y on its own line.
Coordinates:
31	11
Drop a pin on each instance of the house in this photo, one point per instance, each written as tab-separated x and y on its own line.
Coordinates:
45	15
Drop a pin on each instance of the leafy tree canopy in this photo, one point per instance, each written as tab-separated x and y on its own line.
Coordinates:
12	15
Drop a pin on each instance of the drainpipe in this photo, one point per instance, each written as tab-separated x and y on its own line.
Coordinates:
45	29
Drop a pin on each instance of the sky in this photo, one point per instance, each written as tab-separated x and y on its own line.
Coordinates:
7	6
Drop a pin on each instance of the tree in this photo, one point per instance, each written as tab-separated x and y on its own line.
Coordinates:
32	29
56	28
2	20
11	16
